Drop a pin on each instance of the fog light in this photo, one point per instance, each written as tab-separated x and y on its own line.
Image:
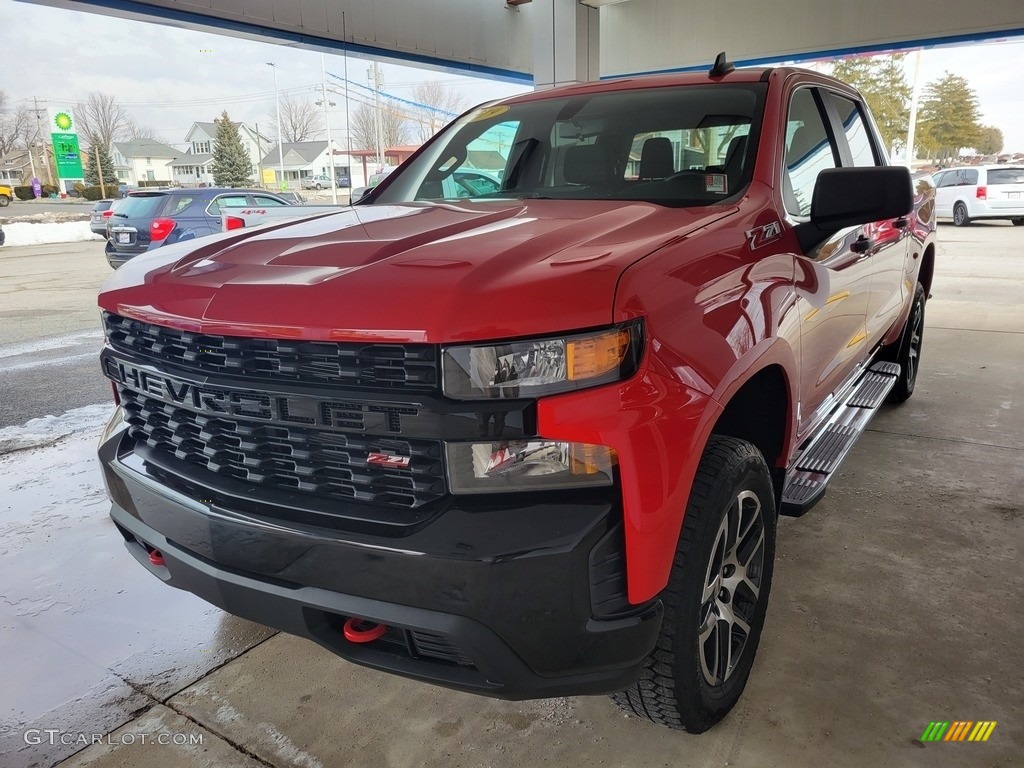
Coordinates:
527	465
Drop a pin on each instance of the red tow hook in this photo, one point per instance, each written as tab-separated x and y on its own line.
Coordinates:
361	631
155	557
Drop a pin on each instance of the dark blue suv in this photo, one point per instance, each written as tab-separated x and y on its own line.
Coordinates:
147	219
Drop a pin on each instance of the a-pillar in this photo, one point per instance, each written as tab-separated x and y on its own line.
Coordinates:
566	37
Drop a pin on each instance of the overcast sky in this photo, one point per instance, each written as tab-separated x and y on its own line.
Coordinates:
169	78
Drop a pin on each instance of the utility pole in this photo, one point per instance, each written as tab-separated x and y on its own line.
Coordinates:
259	155
280	135
99	168
327	121
377	117
40	111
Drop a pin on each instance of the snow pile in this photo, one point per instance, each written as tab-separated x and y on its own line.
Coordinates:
46	233
44	217
49	429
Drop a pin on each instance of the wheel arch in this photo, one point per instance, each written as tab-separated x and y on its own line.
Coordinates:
927	270
760	411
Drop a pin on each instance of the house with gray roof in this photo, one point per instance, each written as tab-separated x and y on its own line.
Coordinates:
304	159
142	160
195	166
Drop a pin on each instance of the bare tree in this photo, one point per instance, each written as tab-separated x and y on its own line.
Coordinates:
136	130
300	120
16	125
394	127
440	105
101	119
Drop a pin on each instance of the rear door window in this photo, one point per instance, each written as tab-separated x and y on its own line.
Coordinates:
226	201
264	200
856	131
809	150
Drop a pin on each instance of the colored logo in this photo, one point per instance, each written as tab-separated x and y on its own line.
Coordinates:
959	730
63	121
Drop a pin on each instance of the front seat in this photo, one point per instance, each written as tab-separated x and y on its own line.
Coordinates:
657	159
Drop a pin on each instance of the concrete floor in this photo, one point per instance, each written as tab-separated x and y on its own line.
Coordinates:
896	602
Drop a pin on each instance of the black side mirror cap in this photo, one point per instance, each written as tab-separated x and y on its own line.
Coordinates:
849	197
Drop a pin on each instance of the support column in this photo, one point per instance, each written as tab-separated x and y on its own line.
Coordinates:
566	42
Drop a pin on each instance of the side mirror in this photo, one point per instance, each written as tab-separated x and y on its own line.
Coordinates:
358	194
849	197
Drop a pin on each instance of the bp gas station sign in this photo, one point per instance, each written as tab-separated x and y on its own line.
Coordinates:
66	153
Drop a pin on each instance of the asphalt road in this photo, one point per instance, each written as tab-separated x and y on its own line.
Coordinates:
49	329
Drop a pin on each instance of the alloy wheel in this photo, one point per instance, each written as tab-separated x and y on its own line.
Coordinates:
732	588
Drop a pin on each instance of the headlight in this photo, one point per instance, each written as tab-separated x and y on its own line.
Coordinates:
535	367
527	465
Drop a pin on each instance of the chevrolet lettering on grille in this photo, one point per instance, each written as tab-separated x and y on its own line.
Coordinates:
363	417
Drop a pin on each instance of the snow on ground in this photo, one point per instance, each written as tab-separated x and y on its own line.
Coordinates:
49	429
46	232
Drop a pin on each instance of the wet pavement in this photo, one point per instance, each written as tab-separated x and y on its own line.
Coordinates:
88	638
895	603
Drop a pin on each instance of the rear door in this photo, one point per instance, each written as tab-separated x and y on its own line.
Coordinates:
211	215
889	239
834	279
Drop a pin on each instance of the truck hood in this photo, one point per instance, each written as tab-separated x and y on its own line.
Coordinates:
405	273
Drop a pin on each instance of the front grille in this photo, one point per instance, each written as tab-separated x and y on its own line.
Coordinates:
410	367
328	464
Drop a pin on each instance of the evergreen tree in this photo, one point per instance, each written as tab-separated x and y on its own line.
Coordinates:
883	84
232	166
92	174
948	120
991	141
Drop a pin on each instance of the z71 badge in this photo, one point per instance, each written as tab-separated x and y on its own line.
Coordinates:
759	236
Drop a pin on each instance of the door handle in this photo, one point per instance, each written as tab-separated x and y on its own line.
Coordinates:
901	222
862	245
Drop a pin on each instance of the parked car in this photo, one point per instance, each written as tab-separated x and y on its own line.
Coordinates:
344	180
980	192
321	181
148	219
101	211
6	195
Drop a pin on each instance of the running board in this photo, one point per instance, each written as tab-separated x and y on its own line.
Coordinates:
808	478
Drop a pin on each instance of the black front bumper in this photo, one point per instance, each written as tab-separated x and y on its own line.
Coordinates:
490	599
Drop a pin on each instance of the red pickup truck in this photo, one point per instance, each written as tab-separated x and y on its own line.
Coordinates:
533	441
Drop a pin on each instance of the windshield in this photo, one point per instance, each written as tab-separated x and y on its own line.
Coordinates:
684	145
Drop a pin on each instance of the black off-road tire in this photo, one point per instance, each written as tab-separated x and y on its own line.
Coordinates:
907	350
673	688
4	201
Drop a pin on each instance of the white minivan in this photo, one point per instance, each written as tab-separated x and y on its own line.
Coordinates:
980	192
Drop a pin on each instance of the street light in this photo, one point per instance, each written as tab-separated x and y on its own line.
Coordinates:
327	119
280	136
